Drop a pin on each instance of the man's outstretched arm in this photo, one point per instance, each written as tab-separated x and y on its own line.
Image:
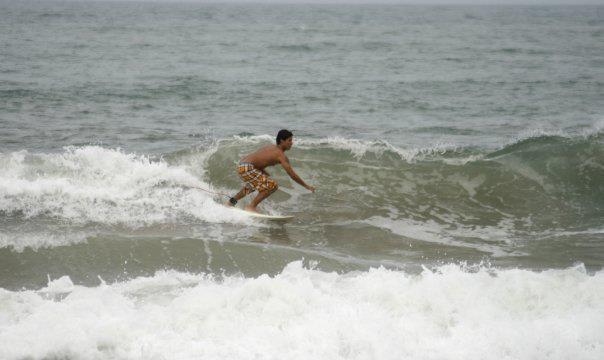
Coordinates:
292	174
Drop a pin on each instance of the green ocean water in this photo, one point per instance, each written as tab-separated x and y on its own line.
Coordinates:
434	134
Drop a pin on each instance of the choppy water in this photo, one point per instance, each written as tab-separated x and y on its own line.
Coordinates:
458	154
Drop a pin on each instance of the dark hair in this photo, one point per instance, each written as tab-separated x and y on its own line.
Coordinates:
283	135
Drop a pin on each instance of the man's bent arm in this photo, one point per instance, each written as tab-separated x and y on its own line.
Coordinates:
292	174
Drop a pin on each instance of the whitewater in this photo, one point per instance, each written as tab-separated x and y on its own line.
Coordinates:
301	313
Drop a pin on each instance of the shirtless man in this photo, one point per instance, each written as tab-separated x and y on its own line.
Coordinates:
251	170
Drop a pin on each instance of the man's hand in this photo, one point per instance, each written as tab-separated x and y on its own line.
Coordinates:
311	188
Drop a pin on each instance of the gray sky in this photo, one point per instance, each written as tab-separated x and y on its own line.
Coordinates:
432	2
426	2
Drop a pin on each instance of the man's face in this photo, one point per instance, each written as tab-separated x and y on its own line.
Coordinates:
288	143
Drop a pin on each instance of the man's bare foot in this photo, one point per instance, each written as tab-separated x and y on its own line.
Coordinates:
251	208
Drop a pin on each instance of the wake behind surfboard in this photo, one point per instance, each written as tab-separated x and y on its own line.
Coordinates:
281	218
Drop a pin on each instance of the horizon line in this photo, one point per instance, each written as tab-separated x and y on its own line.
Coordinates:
499	3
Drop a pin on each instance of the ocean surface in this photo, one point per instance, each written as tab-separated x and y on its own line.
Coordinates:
457	152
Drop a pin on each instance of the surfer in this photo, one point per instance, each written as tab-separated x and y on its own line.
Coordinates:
251	170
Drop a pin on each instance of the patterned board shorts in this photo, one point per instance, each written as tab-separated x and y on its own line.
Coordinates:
254	179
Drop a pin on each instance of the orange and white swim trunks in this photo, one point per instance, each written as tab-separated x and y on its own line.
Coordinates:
254	179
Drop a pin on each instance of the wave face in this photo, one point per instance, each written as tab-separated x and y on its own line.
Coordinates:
379	314
534	184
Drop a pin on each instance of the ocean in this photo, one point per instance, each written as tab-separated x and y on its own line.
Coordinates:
457	152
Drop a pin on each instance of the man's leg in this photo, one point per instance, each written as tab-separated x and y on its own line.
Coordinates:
261	196
240	195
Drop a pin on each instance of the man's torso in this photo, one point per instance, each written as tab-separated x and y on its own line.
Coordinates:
266	156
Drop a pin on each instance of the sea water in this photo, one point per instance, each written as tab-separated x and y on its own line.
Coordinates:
457	152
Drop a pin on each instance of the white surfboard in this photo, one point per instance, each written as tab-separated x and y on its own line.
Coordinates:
264	216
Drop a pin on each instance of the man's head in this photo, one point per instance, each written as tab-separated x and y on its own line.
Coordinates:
285	139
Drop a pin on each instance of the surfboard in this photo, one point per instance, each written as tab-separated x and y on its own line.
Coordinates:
264	216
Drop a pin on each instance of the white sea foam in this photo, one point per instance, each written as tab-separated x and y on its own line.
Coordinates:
96	185
19	240
359	148
537	132
596	128
448	313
